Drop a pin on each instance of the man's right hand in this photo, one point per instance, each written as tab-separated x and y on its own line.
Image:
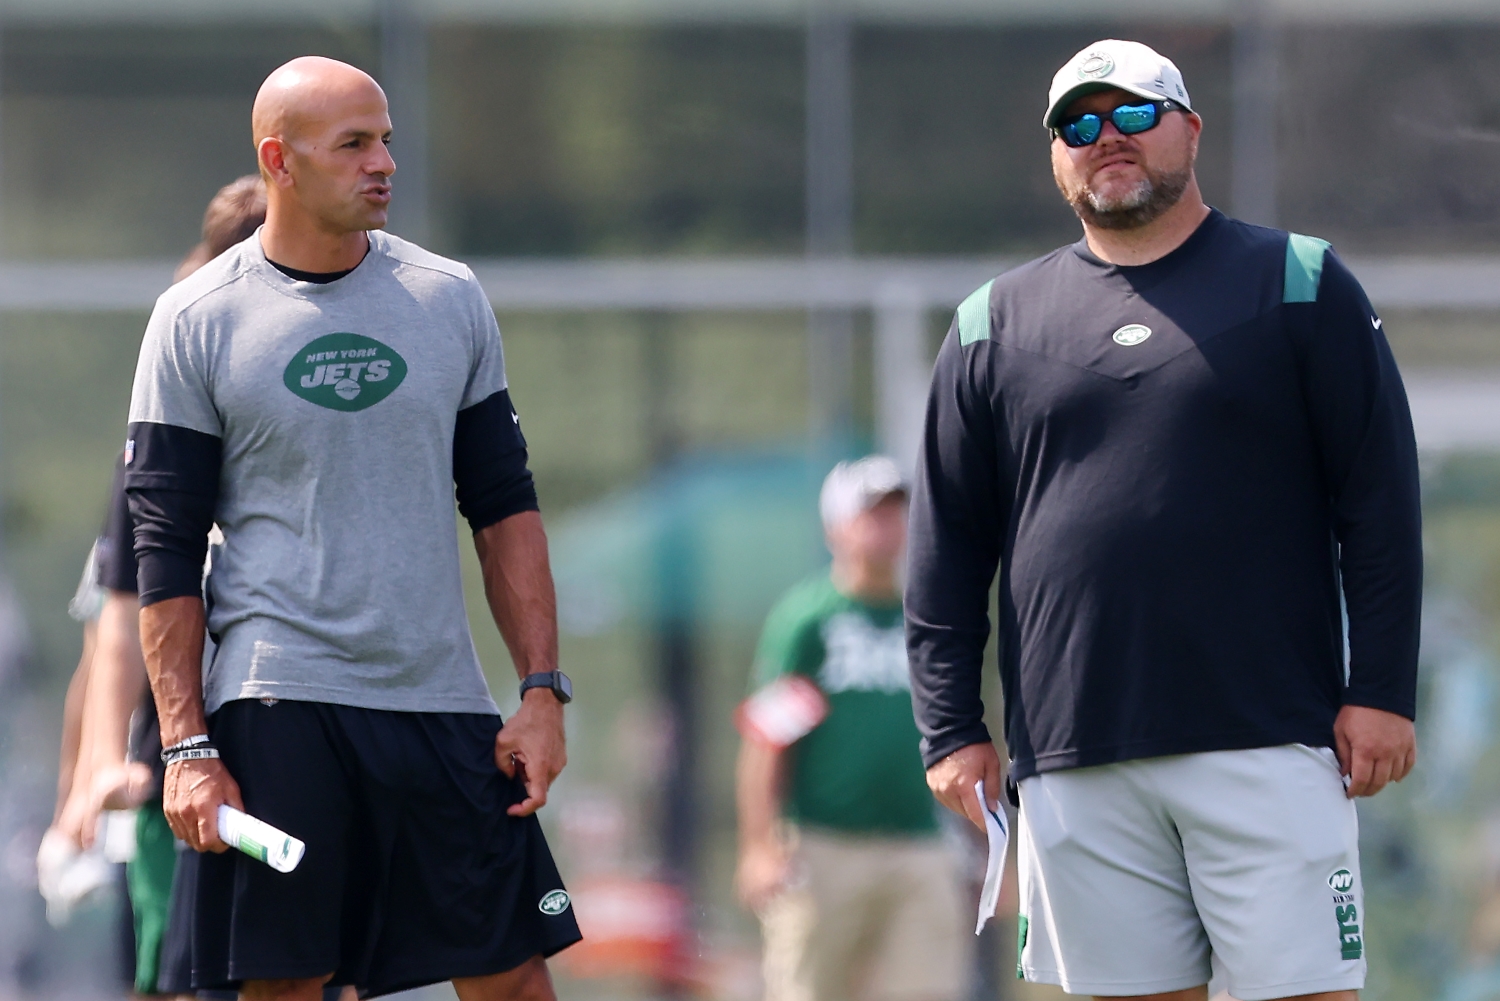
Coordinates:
761	874
952	780
172	640
191	795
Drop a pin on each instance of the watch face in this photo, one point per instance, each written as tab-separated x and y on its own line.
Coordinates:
560	684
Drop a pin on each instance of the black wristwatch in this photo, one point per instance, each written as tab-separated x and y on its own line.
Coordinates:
561	684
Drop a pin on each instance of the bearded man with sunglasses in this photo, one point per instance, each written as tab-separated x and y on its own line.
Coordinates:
1182	441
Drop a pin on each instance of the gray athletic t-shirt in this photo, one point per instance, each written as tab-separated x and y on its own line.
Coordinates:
338	579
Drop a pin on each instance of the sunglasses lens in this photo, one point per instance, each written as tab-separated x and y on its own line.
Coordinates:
1083	131
1133	118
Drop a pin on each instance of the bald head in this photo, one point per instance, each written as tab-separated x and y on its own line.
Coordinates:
321	129
308	92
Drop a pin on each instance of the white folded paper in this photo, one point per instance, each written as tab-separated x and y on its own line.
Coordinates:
68	879
998	833
117	835
259	840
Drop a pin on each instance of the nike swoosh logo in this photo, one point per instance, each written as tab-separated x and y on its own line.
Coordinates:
517	417
1375	320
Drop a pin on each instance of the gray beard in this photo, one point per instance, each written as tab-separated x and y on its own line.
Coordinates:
1143	204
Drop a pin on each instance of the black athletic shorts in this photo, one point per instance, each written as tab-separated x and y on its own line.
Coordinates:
176	976
414	872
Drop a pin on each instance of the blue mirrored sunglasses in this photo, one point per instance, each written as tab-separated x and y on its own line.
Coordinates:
1084	130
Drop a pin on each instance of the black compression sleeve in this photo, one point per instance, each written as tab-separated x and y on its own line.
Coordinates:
1364	432
958	516
116	552
489	463
172	482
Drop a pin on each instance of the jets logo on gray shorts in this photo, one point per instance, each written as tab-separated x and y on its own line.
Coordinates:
1134	875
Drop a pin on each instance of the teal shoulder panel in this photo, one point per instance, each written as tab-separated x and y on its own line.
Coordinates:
1304	268
974	316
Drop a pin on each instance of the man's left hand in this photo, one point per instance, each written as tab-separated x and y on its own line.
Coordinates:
533	744
1374	747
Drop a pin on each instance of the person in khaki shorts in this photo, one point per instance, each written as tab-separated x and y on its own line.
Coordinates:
840	854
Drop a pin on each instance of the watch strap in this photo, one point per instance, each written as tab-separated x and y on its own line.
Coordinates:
555	681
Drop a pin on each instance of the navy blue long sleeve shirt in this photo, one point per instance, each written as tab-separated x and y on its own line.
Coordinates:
1176	468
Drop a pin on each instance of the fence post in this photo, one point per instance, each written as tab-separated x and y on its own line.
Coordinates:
902	371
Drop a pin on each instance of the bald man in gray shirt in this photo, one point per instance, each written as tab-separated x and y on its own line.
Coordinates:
321	391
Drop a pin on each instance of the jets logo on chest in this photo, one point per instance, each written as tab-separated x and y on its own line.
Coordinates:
345	371
1131	334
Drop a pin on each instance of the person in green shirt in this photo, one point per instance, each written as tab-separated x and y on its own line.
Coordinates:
839	851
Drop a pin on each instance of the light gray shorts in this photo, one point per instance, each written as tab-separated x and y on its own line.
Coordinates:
1240	867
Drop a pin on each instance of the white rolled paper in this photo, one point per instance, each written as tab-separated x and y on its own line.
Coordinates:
997	833
259	840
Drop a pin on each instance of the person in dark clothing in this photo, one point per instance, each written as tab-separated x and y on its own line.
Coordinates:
121	768
1183	443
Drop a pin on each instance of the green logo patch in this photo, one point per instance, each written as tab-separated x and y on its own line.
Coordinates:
1351	943
554	903
1346	913
345	371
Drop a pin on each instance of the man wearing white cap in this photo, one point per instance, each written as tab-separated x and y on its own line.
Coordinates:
1181	441
860	901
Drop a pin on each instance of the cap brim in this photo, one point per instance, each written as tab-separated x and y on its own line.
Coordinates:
1054	112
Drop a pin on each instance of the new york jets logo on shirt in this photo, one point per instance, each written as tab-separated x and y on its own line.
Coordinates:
554	903
1131	334
345	371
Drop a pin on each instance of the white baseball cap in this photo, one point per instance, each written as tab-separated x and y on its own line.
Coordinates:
857	486
1113	63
